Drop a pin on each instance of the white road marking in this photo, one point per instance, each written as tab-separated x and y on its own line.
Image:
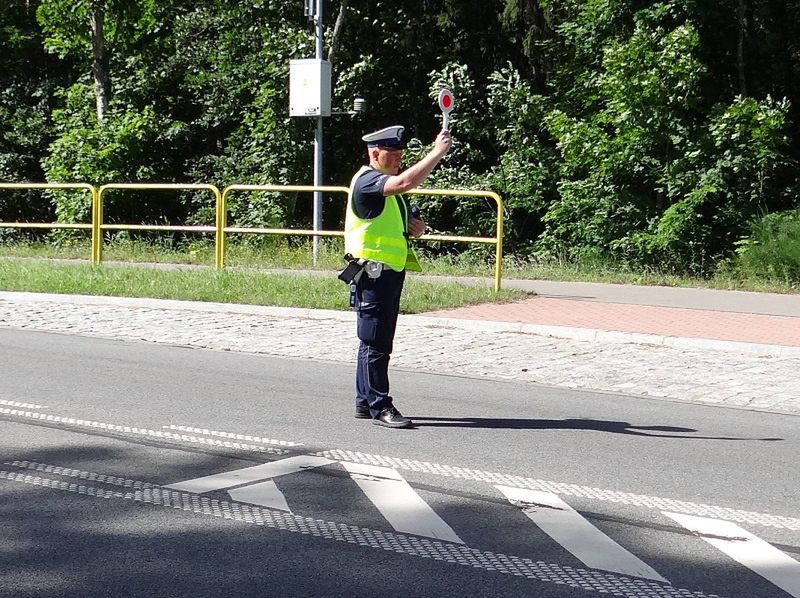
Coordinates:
747	549
233	436
397	501
444	552
450	471
265	494
564	489
239	477
23	405
150	434
583	540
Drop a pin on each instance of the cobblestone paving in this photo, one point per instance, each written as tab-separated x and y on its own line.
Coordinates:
766	382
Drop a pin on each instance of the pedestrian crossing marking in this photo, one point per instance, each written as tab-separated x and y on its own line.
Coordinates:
746	549
579	537
397	501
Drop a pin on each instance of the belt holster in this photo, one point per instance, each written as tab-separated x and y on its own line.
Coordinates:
353	271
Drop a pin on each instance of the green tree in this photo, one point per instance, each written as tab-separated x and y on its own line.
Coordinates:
28	79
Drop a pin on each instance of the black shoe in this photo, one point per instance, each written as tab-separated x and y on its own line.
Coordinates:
362	412
391	418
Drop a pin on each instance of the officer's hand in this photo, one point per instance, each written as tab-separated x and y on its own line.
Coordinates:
444	141
416	227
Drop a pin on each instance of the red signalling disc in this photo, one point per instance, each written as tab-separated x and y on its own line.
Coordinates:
446	100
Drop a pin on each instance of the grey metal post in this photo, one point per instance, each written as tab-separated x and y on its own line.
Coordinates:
318	136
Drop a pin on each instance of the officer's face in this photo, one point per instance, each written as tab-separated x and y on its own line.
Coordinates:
387	160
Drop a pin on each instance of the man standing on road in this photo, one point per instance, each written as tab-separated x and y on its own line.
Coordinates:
377	227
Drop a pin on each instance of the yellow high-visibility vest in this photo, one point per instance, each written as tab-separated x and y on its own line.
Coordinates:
380	239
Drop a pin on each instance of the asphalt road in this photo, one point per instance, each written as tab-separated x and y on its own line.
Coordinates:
103	443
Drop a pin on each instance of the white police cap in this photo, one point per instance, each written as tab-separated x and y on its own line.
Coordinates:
389	137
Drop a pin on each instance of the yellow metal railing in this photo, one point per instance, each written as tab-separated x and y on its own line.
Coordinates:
97	251
221	227
93	226
223	215
497	240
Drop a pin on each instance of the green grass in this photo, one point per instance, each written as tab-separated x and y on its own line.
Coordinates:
227	286
275	253
278	254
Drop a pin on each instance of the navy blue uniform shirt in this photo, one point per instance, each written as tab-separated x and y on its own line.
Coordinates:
368	198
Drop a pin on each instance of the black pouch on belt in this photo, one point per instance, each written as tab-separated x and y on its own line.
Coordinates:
352	272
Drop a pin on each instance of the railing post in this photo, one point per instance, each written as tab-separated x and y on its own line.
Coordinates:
498	254
97	232
222	223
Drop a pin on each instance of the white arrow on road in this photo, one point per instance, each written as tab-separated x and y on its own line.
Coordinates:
583	540
745	548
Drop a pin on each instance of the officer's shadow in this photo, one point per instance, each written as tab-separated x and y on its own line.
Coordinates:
597	425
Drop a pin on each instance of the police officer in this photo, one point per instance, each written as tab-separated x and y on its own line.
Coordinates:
378	225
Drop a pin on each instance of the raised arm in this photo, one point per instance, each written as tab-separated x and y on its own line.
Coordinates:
412	177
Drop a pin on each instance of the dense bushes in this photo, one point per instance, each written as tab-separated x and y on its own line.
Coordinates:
647	132
771	250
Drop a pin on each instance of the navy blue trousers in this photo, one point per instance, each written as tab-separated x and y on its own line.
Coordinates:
377	306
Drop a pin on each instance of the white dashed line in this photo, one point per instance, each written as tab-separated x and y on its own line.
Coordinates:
234	436
154	434
22	405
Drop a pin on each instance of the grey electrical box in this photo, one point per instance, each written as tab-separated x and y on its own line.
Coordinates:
309	87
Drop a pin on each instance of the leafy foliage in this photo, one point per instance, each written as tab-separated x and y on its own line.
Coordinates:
649	132
771	249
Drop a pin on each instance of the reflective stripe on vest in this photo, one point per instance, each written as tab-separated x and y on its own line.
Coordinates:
380	239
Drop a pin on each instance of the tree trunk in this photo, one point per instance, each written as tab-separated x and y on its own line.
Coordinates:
741	19
102	82
337	32
538	60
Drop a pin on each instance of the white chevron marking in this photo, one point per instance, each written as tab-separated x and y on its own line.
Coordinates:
746	549
583	540
265	494
397	501
238	477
